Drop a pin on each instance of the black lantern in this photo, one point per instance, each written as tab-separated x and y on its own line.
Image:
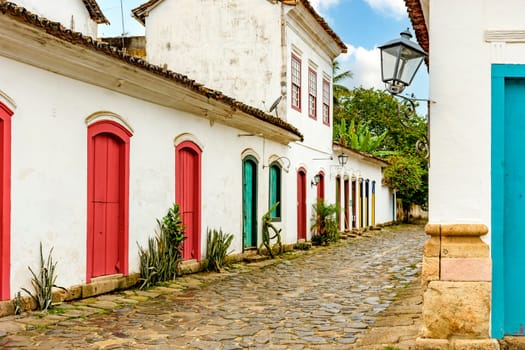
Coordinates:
342	158
400	60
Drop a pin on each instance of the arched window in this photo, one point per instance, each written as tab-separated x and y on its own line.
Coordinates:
275	191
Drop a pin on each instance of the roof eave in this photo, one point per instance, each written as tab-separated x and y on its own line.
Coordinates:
47	45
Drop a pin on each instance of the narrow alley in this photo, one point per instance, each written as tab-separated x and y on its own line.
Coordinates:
330	299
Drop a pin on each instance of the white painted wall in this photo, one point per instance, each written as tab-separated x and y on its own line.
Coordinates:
72	14
317	135
460	73
49	169
229	45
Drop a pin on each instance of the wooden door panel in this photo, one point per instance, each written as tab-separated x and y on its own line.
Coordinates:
514	199
99	239
100	170
188	197
114	170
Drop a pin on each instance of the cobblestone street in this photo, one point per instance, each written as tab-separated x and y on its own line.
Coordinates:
337	297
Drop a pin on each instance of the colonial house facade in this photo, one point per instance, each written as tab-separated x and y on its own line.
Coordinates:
474	266
96	144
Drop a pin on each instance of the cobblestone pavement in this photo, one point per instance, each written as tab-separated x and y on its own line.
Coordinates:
361	293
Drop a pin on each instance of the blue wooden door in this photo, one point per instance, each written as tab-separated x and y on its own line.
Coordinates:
514	207
249	199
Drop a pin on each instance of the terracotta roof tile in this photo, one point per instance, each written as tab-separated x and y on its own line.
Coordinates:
57	30
95	12
415	13
141	12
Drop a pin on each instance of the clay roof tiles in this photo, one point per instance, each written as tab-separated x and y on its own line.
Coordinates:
415	13
141	12
95	12
57	30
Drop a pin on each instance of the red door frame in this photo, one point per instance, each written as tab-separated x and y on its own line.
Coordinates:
5	201
123	135
301	203
354	204
347	204
180	174
320	186
338	200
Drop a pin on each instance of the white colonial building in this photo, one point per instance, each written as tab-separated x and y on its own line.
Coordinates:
474	264
97	144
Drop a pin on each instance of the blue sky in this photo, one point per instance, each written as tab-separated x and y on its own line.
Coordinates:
361	24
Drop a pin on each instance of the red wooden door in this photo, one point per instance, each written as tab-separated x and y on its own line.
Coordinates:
5	201
107	203
320	186
347	205
188	196
301	204
107	207
354	204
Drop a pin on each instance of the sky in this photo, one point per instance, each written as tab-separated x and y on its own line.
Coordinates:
361	24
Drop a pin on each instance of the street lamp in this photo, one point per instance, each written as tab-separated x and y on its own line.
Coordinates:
342	158
400	60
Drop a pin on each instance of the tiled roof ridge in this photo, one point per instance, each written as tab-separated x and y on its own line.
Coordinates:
95	12
325	25
415	13
363	154
57	30
140	12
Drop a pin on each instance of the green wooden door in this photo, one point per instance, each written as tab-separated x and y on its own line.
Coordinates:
249	195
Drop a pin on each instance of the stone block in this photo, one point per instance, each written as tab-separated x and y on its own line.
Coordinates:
456	309
512	343
466	269
456	229
432	247
99	287
7	308
475	344
464	247
431	344
429	270
74	292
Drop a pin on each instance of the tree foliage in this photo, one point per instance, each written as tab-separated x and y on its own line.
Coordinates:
359	137
369	120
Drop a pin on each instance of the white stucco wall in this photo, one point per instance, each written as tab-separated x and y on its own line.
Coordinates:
317	135
72	14
460	84
229	45
49	169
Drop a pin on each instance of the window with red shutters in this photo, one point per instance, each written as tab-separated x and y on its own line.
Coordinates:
326	102
296	83
312	93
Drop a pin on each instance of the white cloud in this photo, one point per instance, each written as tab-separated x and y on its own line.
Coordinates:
321	5
365	66
393	8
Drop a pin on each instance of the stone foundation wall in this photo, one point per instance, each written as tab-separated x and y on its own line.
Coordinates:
456	281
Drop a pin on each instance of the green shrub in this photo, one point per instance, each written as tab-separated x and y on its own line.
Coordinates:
324	225
43	282
217	245
161	260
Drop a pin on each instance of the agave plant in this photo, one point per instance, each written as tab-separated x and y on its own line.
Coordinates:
160	261
217	245
43	281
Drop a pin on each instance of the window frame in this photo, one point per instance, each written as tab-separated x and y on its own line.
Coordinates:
326	102
312	93
276	189
297	85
